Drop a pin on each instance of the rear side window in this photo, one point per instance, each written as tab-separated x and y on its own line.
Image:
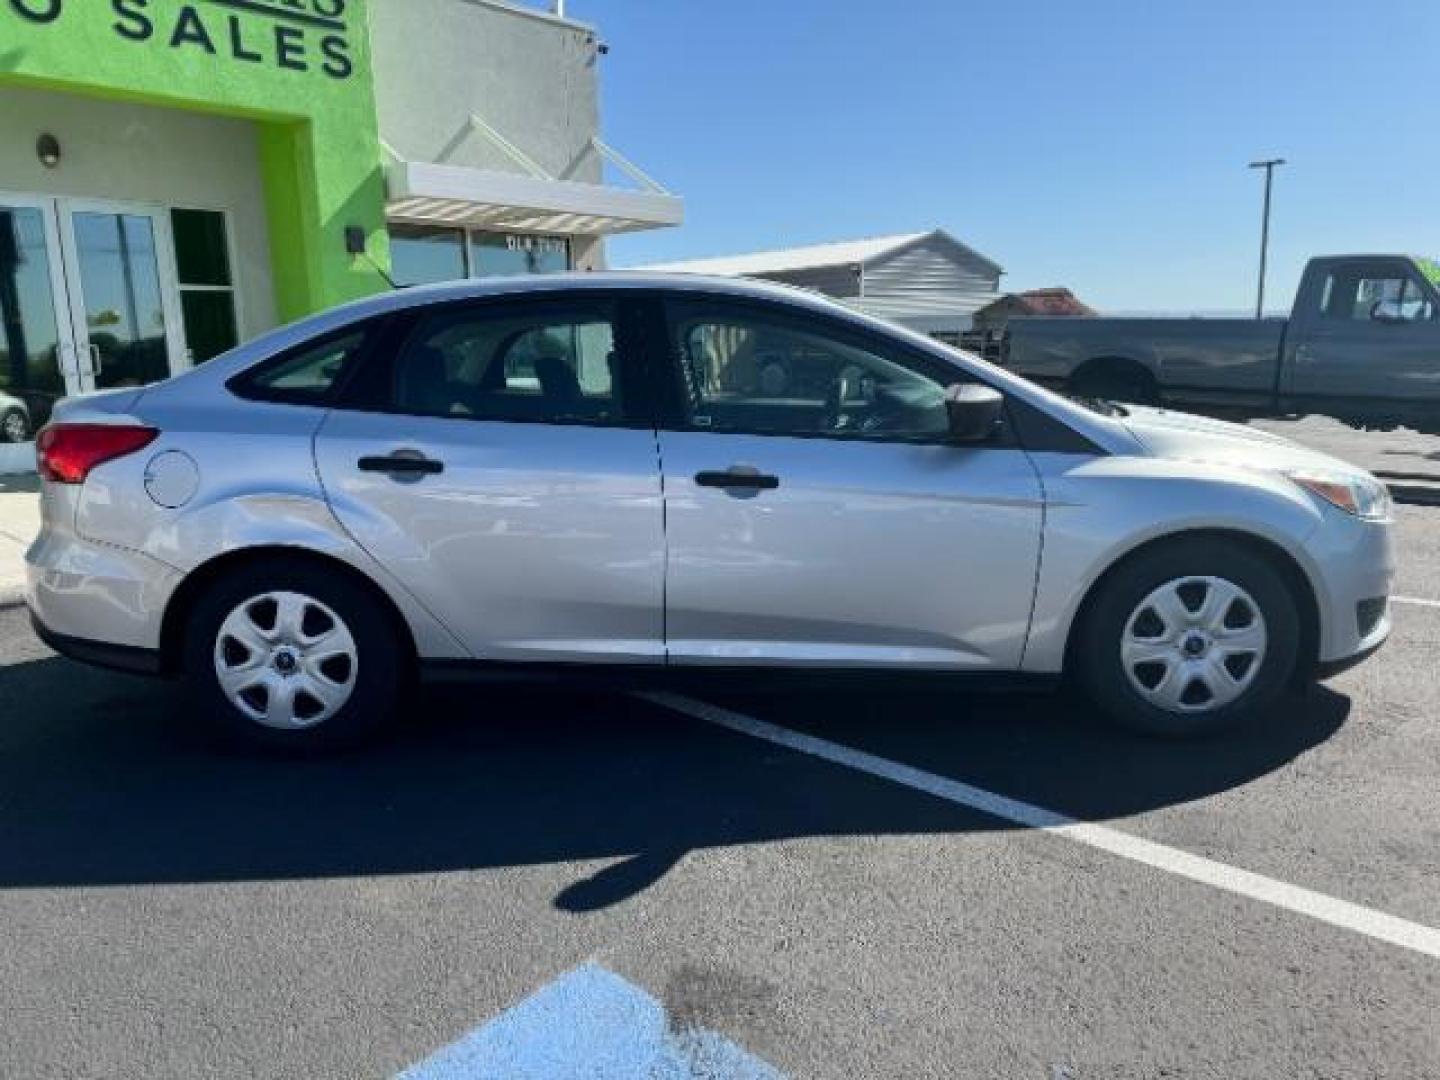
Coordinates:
308	375
542	363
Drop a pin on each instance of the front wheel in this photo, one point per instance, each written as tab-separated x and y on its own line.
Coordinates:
292	658
1189	638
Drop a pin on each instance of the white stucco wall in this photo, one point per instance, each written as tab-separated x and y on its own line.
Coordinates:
139	153
530	76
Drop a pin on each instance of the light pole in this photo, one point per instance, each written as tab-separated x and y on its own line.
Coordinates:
1269	167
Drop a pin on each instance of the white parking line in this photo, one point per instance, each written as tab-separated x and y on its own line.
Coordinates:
1327	909
1415	600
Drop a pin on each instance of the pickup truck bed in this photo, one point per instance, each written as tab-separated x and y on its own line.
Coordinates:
1220	361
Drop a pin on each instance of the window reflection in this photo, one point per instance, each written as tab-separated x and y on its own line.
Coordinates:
422	255
425	254
508	254
120	282
30	379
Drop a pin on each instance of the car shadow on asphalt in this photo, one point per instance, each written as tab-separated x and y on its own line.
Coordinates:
107	780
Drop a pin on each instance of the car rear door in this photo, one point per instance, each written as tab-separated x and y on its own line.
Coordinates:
832	521
495	455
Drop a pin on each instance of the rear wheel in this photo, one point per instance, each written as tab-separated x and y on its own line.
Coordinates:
14	426
296	659
1189	638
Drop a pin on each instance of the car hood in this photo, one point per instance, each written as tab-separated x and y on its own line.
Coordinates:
1185	437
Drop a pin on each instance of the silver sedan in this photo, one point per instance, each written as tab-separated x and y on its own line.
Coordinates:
648	474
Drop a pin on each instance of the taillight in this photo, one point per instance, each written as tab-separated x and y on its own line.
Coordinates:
65	453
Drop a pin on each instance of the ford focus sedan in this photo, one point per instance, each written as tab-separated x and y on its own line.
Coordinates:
606	471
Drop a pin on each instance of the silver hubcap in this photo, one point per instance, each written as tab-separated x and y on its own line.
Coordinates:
1194	644
286	660
15	428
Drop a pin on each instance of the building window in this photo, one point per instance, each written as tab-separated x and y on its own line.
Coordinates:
207	287
426	254
423	254
508	254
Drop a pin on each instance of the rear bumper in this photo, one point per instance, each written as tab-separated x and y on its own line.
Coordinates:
96	594
134	661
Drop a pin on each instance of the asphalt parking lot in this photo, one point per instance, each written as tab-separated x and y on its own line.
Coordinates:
818	882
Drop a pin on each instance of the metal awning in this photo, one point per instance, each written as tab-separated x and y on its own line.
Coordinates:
529	200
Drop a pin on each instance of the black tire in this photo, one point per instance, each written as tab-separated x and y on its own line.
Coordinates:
382	660
1115	382
1097	658
14	426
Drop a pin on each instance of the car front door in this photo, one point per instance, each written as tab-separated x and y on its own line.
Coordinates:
1367	343
495	456
827	518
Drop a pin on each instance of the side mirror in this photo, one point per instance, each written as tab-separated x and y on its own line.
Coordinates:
974	411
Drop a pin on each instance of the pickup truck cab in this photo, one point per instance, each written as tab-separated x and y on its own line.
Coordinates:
1362	344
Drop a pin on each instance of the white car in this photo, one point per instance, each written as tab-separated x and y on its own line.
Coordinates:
591	471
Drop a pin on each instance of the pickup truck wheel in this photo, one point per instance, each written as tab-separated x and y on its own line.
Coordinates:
1115	383
1189	639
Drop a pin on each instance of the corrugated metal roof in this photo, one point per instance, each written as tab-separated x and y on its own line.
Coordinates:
840	253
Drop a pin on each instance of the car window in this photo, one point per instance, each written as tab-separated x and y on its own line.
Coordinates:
1363	295
542	365
747	370
304	376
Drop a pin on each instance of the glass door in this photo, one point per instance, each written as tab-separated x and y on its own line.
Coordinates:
38	360
124	301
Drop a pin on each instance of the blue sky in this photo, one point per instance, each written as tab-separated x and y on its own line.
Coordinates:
1099	144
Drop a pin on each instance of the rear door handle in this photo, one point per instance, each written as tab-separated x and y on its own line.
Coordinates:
402	463
738	477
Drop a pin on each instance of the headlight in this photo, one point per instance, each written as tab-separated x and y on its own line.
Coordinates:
1362	496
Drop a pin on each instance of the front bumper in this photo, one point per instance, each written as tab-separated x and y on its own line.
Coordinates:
1352	570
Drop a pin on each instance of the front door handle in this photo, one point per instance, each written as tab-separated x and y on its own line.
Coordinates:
402	463
741	478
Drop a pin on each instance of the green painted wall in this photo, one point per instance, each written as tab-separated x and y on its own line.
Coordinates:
300	68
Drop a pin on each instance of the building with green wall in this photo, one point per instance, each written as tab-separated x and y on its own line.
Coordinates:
179	176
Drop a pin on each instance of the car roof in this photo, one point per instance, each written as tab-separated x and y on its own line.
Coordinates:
596	281
336	319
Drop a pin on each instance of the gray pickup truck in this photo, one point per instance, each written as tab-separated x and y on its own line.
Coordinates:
1362	345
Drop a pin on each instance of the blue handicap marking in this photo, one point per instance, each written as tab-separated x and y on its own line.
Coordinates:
591	1024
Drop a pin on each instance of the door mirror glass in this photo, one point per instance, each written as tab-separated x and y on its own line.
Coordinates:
974	411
